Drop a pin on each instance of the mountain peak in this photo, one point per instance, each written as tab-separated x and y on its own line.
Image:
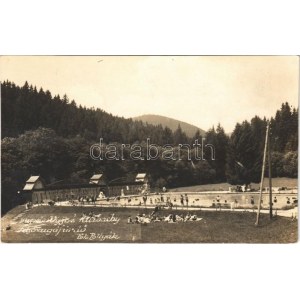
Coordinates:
189	129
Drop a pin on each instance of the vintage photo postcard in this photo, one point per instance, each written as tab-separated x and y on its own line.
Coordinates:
149	149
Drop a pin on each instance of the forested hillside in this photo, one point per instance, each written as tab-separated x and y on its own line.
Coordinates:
246	144
26	108
51	136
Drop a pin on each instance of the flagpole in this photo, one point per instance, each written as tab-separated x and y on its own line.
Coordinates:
262	175
270	177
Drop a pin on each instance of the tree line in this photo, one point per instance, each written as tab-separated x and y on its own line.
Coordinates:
51	136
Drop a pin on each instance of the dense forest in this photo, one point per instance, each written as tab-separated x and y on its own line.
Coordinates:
51	136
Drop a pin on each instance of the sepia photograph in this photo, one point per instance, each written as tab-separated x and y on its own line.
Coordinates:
149	149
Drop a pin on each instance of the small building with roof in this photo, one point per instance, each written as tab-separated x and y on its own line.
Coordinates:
141	177
33	182
98	179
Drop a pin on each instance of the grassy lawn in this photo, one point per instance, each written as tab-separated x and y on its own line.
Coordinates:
224	227
224	186
215	227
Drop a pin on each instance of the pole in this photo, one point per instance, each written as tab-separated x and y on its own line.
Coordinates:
270	177
262	175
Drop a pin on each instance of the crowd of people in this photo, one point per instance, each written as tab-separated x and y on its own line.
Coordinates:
154	217
160	199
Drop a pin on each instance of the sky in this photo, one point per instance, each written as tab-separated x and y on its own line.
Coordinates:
200	90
